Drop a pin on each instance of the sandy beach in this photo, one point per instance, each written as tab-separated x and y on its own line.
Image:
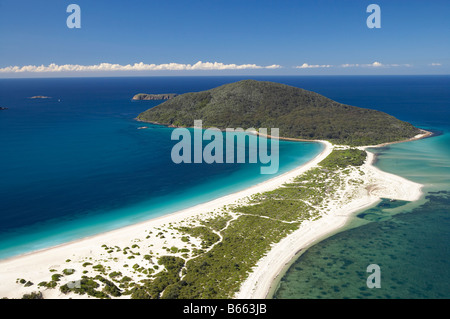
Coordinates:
378	184
121	248
38	266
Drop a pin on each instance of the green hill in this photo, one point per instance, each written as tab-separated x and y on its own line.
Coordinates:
296	112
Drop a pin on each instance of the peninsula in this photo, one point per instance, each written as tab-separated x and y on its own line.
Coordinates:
145	96
203	251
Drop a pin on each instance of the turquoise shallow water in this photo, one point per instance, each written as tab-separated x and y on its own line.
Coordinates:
76	164
413	259
112	214
408	240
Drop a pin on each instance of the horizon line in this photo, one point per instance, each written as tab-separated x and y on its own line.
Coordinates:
215	75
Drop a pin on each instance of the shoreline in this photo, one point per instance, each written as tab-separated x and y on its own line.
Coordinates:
177	214
266	275
35	265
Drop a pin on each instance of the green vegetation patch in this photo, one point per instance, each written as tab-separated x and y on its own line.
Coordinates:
343	158
219	272
207	235
287	210
153	288
217	223
86	285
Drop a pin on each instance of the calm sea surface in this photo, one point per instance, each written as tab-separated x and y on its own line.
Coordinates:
76	164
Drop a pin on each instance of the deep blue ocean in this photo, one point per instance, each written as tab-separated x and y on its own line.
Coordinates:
76	164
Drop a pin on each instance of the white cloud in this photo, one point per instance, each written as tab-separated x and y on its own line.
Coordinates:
435	64
273	66
311	66
356	65
375	64
134	67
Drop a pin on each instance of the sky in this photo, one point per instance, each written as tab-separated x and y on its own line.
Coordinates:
229	37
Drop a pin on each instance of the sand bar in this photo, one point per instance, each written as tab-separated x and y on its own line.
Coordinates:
377	184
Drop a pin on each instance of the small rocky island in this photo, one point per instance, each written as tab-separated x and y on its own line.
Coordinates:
145	96
3	108
40	97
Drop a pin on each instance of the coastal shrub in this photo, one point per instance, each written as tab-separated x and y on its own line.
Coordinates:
288	210
115	274
126	279
171	263
140	293
172	291
87	286
110	288
50	285
217	274
217	223
99	267
33	295
344	158
207	235
68	272
152	288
